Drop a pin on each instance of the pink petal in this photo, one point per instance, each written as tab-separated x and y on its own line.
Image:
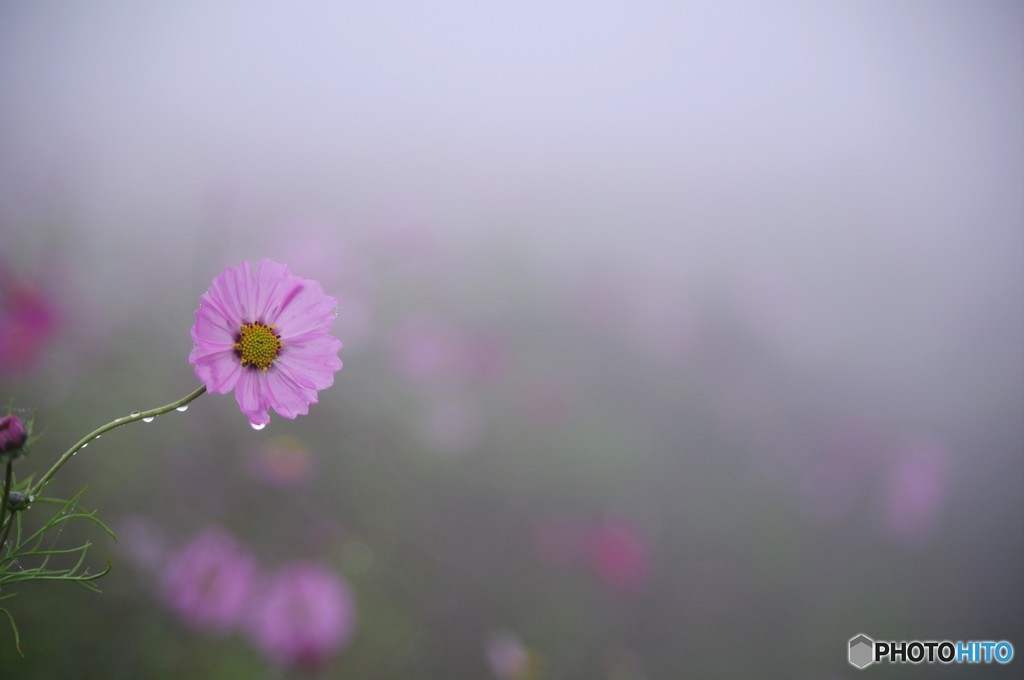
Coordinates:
205	353
235	290
219	370
245	279
308	311
273	286
223	296
211	326
312	362
251	396
287	397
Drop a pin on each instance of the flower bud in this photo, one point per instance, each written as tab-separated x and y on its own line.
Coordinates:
12	437
19	501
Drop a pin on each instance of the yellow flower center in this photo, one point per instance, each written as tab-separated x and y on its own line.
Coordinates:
258	345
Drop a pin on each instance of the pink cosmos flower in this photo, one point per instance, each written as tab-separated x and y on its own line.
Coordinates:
209	580
304	617
265	333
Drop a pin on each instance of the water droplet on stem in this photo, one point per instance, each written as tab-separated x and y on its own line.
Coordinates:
182	409
149	419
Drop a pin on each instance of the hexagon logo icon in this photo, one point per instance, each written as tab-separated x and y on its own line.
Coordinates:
862	651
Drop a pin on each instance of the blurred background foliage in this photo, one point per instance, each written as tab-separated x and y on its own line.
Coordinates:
681	340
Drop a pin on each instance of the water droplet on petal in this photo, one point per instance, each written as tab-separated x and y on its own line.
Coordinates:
149	419
334	312
135	414
182	409
257	426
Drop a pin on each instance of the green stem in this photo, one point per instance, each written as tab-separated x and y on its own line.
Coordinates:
3	504
152	413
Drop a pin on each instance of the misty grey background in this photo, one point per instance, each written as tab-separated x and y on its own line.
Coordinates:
846	177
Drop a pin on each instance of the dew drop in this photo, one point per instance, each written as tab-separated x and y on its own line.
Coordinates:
135	414
149	419
334	312
257	426
85	446
182	409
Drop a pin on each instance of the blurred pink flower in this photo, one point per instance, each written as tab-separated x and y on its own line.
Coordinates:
404	234
265	334
28	319
427	349
620	557
644	310
322	250
615	551
283	462
424	349
915	490
452	426
208	581
506	655
305	615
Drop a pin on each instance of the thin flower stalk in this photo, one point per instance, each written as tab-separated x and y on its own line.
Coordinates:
118	422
